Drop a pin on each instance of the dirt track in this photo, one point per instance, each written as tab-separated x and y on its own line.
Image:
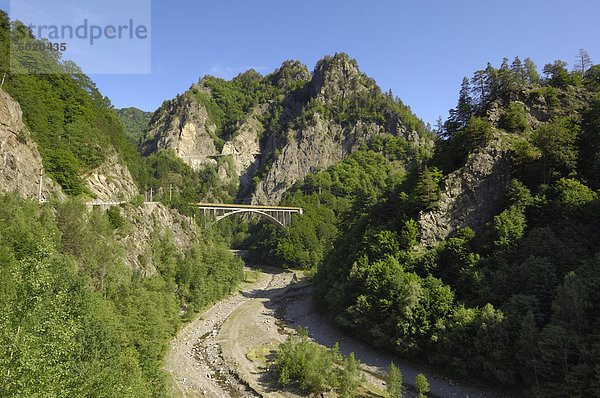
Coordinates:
209	357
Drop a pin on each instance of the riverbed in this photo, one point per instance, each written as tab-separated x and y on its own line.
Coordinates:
213	356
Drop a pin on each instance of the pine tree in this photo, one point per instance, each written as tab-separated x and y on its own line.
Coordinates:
460	116
478	82
518	71
531	72
427	191
394	382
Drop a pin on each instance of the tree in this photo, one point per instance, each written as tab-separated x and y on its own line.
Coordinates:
582	62
427	191
506	79
394	381
531	72
460	116
557	142
422	385
557	74
518	71
478	81
508	227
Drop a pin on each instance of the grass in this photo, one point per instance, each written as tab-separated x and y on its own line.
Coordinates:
263	355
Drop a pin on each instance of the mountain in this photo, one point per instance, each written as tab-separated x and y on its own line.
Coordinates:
484	260
21	163
134	121
262	134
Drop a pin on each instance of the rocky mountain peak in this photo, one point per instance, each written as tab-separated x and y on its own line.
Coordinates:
338	76
290	72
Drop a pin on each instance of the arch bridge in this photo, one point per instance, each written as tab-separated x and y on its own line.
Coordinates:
281	215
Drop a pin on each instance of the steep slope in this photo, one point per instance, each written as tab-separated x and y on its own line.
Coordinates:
134	121
471	196
265	133
20	162
486	261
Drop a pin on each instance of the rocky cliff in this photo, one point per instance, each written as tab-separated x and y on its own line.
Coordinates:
21	167
111	181
20	162
471	195
474	193
293	123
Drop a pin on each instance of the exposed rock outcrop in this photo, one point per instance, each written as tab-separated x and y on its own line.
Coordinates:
111	181
183	125
146	226
20	162
315	147
471	196
300	123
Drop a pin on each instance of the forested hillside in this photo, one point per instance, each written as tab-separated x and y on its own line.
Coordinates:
514	305
90	298
76	320
135	122
75	127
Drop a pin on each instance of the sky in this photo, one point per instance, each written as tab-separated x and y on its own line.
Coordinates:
421	50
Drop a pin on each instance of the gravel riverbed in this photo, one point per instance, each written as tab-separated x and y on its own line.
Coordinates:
208	357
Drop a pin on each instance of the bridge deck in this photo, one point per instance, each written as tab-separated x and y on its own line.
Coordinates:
223	206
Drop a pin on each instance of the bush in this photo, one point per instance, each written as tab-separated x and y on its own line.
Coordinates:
314	367
114	217
515	119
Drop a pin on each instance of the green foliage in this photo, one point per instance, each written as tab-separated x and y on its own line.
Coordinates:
427	190
394	381
422	385
452	153
135	122
114	217
557	143
324	196
508	227
314	367
75	321
515	119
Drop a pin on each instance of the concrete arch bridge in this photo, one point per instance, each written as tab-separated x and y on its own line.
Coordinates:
281	215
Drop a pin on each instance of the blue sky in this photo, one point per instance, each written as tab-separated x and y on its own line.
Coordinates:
419	49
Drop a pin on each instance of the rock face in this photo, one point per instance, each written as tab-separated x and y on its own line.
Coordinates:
244	150
111	181
471	196
315	147
184	127
20	162
148	224
265	161
20	169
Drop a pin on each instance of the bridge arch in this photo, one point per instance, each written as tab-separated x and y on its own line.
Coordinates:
262	213
281	215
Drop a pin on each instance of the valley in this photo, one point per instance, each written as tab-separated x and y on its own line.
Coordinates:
226	350
463	252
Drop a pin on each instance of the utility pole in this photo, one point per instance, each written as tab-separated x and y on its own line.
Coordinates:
151	192
41	176
170	189
2	84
